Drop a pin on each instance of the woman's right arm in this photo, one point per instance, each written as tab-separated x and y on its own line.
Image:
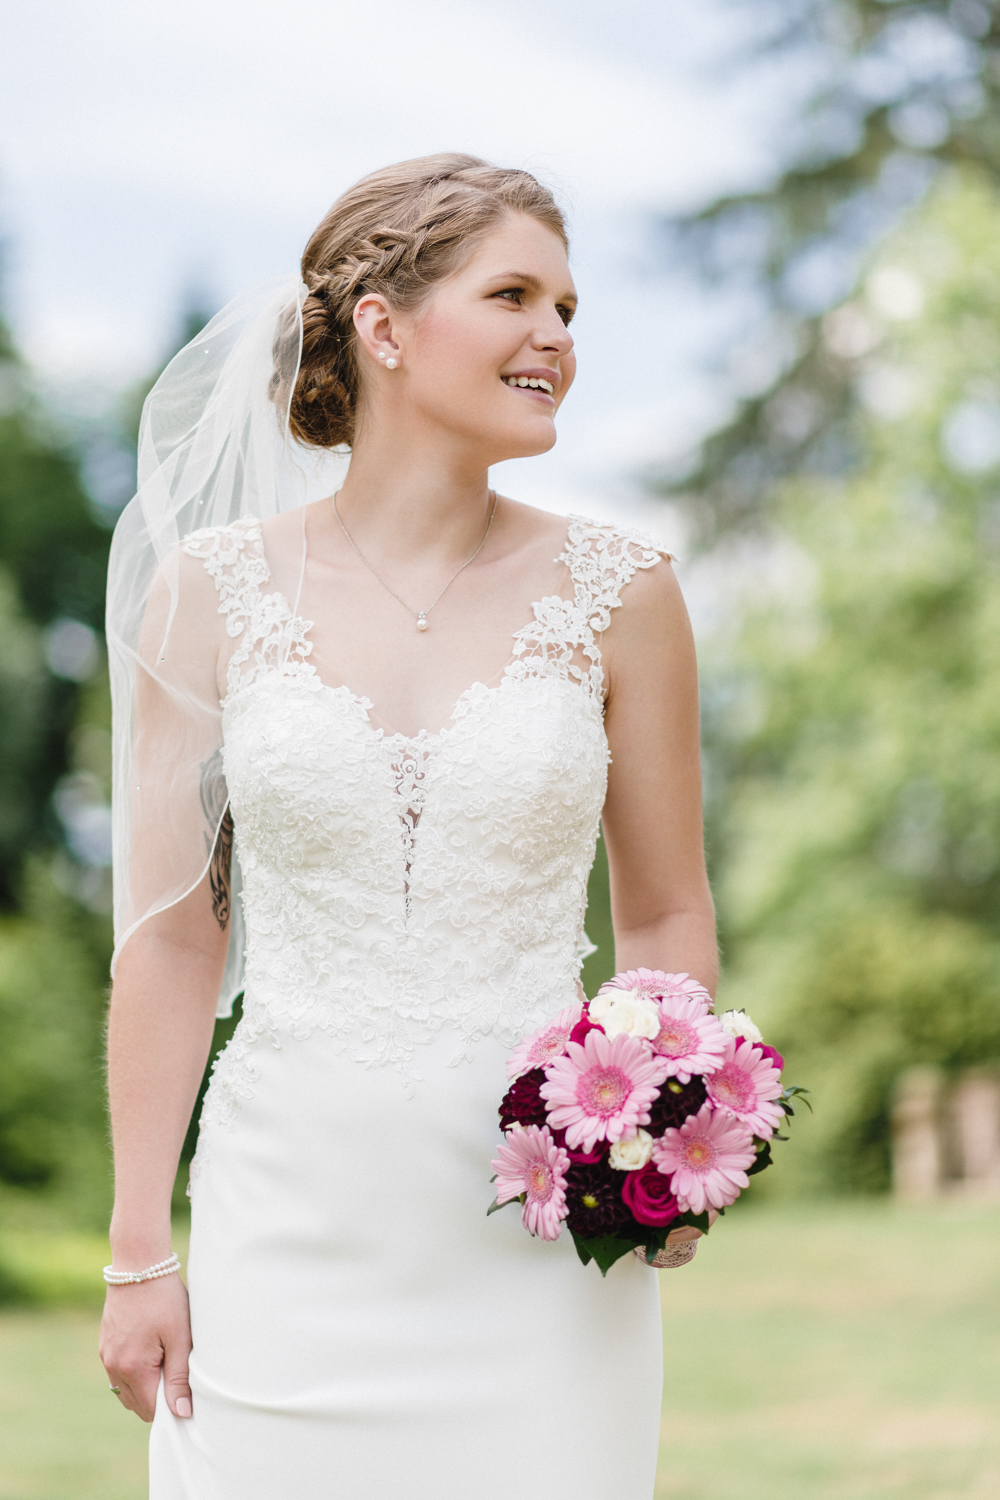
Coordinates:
159	1035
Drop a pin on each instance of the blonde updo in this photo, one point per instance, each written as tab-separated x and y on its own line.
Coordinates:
396	232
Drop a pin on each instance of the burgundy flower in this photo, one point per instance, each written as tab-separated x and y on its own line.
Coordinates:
773	1054
676	1102
594	1200
522	1102
582	1026
647	1193
577	1153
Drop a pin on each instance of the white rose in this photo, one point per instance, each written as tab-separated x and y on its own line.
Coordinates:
738	1023
626	1010
629	1156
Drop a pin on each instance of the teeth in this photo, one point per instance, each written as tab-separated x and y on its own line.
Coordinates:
536	385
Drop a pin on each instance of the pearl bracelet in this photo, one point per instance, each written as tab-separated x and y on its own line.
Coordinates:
151	1273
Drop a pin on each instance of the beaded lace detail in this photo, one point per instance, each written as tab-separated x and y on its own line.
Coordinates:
396	890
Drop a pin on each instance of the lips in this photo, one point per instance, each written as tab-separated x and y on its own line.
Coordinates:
543	380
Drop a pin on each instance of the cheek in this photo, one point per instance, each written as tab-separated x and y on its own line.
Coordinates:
567	367
453	353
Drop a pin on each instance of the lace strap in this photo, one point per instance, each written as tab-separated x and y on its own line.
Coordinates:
270	636
601	560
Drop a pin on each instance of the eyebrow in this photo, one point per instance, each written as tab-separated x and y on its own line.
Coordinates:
526	279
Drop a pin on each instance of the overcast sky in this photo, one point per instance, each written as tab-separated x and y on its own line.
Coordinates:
157	151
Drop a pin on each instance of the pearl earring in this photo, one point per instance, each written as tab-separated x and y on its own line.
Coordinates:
381	354
390	364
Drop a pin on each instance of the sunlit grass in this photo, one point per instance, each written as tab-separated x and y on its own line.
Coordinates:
836	1352
844	1352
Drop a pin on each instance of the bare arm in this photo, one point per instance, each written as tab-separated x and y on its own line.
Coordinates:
159	1035
166	985
661	904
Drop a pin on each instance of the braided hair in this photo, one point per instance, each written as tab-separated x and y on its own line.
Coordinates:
396	233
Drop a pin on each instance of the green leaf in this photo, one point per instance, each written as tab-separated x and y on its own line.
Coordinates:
763	1160
605	1250
495	1206
698	1221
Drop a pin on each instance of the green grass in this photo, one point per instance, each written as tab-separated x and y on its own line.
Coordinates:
63	1436
834	1352
842	1352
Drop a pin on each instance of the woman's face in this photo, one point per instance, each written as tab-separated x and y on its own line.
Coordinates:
466	355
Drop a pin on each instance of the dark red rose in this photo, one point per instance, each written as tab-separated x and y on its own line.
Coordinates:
773	1054
647	1194
522	1102
582	1026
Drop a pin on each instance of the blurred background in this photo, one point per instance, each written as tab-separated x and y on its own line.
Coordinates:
786	237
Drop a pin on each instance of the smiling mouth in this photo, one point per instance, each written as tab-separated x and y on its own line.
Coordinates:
530	382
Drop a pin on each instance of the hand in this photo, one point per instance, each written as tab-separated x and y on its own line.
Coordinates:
689	1232
146	1327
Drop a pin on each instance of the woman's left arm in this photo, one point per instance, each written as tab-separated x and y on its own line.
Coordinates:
661	904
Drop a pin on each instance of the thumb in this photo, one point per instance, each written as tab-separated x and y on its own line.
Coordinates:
175	1379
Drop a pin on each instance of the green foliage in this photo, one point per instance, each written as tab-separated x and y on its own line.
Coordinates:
53	980
905	91
856	731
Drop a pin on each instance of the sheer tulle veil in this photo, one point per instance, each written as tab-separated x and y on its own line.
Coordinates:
214	448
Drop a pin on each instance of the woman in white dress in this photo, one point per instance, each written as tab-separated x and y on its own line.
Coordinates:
292	666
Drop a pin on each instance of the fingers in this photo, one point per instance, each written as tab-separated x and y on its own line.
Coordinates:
145	1332
175	1376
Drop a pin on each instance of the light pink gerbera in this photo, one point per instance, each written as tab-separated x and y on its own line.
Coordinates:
542	1046
530	1162
706	1160
690	1040
744	1085
657	985
602	1090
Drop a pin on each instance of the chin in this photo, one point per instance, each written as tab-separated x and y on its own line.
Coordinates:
527	443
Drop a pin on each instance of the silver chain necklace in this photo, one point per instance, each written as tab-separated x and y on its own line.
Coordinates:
421	614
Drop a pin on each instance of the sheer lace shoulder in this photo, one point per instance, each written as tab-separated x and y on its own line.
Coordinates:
601	560
267	635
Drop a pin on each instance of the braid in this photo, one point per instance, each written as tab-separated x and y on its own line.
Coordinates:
395	233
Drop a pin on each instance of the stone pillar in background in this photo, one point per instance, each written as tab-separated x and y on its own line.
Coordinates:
917	1155
975	1119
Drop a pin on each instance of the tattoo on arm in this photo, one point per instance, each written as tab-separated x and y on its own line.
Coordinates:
219	838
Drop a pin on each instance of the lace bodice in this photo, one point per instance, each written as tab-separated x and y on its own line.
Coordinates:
399	891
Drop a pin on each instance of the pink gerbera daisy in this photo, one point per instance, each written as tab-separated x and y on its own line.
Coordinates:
690	1040
706	1160
530	1162
657	985
745	1084
542	1046
602	1090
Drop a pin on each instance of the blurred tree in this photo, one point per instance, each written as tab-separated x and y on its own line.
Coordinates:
856	724
908	87
53	559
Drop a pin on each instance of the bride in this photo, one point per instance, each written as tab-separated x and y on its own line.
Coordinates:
380	725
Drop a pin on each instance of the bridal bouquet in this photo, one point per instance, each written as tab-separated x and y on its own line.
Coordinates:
635	1113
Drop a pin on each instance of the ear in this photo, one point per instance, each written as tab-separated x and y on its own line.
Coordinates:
373	320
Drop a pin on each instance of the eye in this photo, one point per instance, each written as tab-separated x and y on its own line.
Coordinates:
512	294
566	313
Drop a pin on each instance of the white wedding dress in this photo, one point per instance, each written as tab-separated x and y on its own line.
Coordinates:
362	1330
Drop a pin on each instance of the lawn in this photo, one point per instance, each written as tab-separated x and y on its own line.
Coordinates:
840	1352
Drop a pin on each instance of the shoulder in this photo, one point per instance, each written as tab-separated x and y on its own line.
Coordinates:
614	547
225	543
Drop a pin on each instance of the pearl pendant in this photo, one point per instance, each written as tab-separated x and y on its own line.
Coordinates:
422	621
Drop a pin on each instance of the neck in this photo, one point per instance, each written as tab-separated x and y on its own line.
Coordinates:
406	501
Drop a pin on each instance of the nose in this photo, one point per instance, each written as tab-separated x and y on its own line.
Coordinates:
551	335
